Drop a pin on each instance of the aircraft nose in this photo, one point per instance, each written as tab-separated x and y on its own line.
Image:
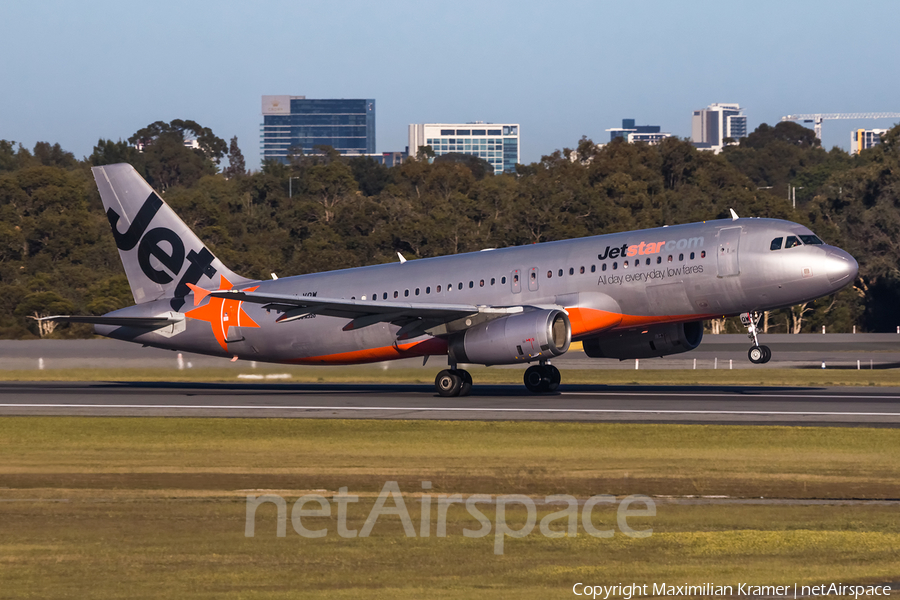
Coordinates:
841	267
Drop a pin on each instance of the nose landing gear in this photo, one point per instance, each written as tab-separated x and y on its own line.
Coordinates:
757	354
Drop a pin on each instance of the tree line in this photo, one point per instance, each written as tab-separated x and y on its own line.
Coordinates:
324	211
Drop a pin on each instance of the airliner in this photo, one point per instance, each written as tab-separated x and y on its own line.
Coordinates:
634	294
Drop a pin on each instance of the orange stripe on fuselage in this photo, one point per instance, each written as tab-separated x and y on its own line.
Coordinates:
434	346
590	321
585	322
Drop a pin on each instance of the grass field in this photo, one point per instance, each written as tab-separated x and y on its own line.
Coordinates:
481	375
121	507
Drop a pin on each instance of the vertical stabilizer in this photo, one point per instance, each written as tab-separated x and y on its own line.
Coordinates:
160	253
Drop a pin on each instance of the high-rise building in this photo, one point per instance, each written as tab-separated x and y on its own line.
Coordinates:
863	139
711	126
295	124
648	134
496	143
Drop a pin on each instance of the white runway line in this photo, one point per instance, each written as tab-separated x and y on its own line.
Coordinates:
462	409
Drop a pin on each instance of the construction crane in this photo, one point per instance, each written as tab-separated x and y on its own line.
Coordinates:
819	117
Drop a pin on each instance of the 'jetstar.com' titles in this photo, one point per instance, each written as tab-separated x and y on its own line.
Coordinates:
650	248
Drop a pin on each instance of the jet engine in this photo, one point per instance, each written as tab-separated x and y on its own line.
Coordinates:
517	338
649	342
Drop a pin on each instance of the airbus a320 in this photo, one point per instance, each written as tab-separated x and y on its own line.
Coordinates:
635	294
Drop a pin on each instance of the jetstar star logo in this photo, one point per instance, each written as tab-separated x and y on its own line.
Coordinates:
222	314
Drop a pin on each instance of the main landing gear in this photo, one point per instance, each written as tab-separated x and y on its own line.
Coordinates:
542	378
453	382
539	379
757	354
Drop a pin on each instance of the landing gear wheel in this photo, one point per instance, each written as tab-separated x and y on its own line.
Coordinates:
540	379
448	383
534	379
767	354
466	387
555	378
757	355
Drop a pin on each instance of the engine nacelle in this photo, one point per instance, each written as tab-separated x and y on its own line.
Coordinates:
651	342
522	337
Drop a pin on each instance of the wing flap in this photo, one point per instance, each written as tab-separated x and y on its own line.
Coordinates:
364	313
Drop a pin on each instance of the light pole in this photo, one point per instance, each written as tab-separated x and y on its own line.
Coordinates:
290	188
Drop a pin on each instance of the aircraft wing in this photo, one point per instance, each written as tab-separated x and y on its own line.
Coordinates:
141	322
414	317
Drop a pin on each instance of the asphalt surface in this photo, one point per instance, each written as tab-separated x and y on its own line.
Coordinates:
873	350
831	406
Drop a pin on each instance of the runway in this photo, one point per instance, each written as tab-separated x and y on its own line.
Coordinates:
830	406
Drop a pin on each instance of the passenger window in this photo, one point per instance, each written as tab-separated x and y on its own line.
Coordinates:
776	244
493	280
703	254
648	260
385	296
437	290
481	283
603	268
680	257
791	241
417	291
549	274
624	264
669	259
615	265
533	276
406	293
582	271
692	256
811	240
471	284
593	268
460	285
503	280
560	272
571	270
428	289
396	294
658	259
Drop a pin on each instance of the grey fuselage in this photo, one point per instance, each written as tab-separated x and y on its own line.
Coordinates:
695	271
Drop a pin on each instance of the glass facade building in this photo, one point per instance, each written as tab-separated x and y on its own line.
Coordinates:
711	126
496	143
294	124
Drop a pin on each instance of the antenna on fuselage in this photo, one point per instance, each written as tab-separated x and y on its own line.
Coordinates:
734	215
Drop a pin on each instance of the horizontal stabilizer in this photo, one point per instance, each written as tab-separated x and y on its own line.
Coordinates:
141	322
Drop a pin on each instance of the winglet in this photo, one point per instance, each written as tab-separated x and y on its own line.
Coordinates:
402	260
199	293
734	215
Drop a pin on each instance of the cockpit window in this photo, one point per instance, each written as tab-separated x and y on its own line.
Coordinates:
811	240
776	244
791	241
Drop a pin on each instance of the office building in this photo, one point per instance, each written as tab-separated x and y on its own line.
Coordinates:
293	124
631	133
497	143
863	139
711	126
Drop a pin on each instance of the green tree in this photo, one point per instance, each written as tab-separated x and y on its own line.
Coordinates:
236	165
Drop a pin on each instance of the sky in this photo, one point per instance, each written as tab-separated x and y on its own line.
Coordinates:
75	72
